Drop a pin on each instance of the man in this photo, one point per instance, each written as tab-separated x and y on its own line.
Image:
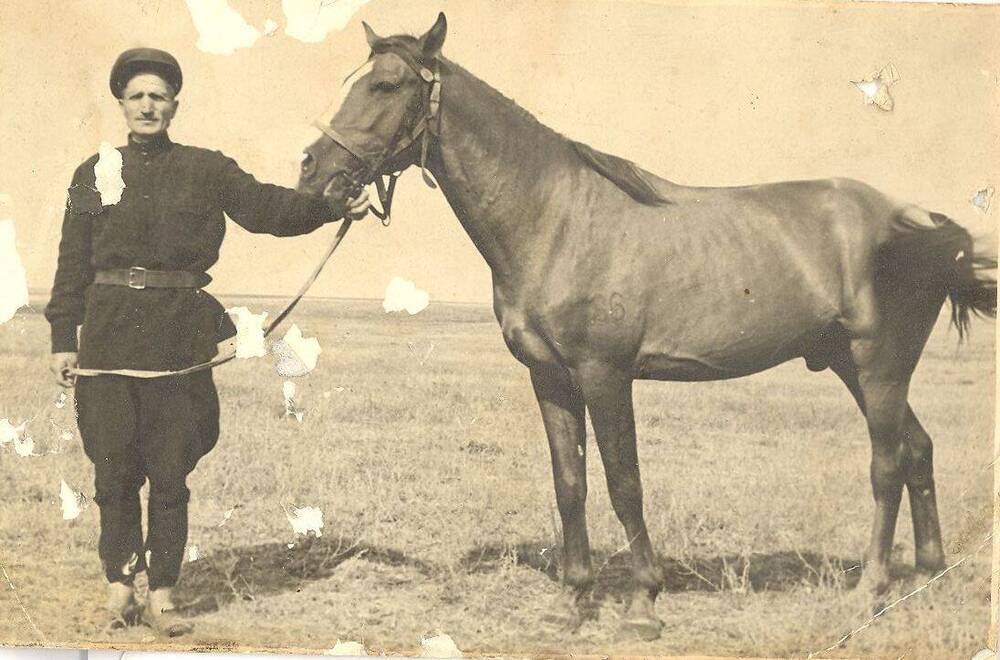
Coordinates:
132	274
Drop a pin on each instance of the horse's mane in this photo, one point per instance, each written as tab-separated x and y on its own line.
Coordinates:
625	174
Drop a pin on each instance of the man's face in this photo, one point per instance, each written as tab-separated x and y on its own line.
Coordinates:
148	105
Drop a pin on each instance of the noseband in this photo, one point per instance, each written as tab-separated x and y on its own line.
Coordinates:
427	127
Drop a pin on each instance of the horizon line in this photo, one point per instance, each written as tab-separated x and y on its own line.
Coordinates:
46	293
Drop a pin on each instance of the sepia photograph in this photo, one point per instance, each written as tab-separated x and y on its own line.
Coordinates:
499	328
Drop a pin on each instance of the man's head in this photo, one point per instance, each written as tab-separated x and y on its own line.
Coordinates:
146	82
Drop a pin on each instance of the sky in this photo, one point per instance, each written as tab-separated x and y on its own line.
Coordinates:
702	94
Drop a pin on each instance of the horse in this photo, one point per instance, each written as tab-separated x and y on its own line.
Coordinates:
604	273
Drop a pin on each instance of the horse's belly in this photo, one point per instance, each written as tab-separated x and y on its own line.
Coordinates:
721	353
679	367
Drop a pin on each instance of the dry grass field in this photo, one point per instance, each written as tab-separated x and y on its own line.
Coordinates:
422	444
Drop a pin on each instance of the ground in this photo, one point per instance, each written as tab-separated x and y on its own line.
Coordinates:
422	445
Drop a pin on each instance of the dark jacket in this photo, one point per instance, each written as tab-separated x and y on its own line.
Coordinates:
170	217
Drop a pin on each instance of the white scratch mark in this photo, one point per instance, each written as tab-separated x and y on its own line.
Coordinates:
983	199
24	610
402	294
312	20
129	567
61	400
439	646
13	278
291	408
899	600
249	332
108	174
221	29
351	649
297	355
73	502
270	28
426	355
875	87
23	444
8	432
194	554
226	516
305	519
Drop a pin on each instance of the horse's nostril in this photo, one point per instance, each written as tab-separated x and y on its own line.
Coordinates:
308	166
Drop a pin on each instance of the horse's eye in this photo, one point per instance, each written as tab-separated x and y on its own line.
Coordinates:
386	86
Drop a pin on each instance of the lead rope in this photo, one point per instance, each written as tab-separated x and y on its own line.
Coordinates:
231	353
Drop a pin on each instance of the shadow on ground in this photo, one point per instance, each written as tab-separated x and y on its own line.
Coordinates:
253	572
772	571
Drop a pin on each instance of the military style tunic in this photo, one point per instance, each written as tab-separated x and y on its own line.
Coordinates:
170	217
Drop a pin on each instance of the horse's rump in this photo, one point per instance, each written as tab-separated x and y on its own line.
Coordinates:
930	248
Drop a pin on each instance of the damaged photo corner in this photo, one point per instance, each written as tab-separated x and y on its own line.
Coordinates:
750	247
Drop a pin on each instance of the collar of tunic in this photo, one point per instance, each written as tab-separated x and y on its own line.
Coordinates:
160	143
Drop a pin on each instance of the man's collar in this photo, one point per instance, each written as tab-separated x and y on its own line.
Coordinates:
160	142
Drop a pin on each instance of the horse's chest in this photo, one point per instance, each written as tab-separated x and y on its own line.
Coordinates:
527	342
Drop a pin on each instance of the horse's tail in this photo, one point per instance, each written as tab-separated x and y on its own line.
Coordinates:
943	252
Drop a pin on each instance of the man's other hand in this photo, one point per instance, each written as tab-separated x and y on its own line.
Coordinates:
61	364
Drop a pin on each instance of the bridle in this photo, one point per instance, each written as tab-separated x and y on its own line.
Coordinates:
424	129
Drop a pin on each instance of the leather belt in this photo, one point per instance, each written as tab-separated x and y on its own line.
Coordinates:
141	278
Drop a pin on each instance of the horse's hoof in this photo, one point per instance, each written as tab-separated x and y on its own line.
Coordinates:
928	569
874	582
646	628
563	622
565	614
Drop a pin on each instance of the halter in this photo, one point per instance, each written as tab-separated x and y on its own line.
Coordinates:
428	126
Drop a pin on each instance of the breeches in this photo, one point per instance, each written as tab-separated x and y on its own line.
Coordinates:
136	429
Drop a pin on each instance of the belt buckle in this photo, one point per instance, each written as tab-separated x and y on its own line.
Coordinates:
137	277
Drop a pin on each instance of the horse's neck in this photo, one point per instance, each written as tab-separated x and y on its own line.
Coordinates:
496	165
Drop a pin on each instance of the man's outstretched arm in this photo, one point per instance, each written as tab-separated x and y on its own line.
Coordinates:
265	208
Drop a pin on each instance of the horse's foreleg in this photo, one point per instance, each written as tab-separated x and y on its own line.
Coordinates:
923	503
608	393
563	415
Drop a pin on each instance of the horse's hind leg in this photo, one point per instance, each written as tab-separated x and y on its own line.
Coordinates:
608	394
880	389
919	474
562	410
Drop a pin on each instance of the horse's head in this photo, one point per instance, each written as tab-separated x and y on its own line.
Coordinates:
388	113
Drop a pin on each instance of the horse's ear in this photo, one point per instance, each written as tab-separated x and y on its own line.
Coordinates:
370	35
432	42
